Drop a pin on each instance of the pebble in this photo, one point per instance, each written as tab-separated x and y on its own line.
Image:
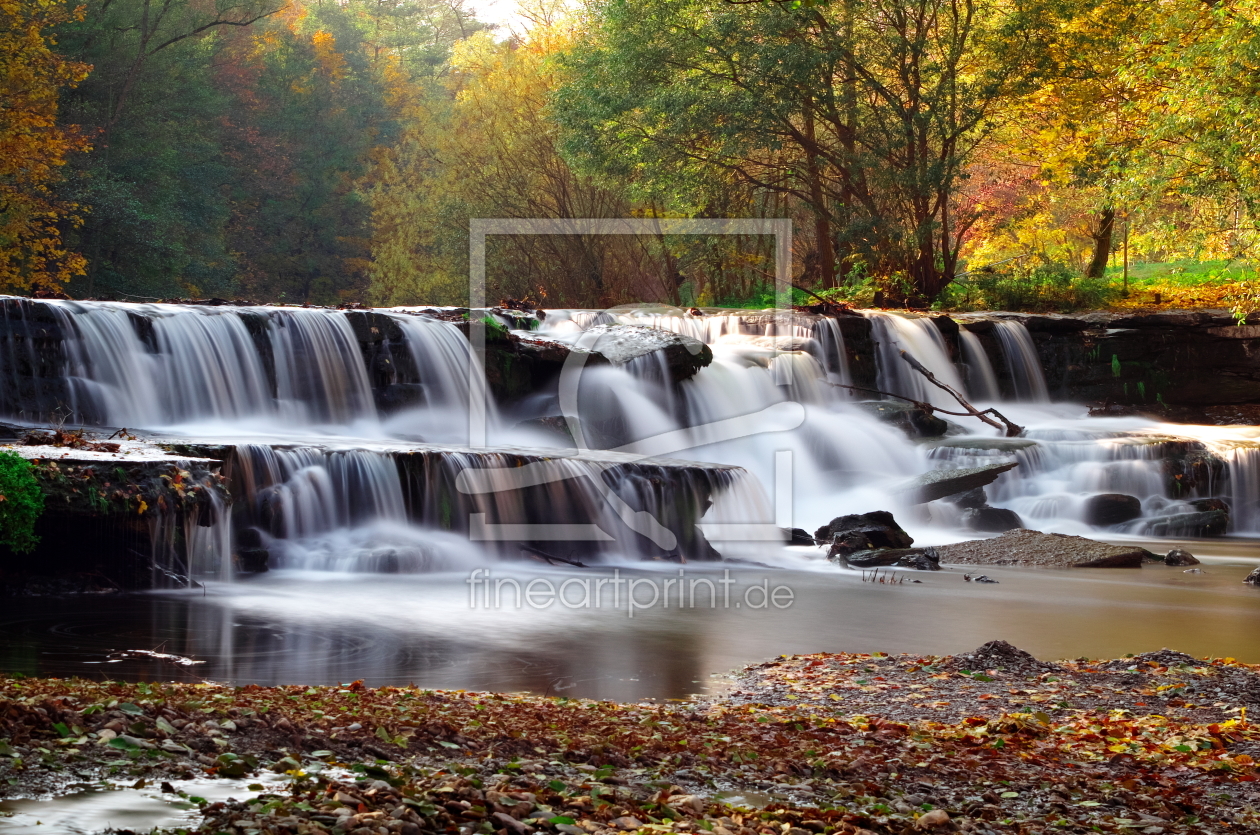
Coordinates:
932	819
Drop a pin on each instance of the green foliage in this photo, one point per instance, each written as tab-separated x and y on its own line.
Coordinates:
1042	288
21	503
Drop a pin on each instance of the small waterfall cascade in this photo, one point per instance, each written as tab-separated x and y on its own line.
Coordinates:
1021	358
169	365
835	360
348	433
922	340
405	510
981	380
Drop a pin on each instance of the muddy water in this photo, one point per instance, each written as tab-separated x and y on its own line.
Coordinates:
311	628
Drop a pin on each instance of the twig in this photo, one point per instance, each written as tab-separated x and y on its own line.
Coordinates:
550	558
927	407
1012	430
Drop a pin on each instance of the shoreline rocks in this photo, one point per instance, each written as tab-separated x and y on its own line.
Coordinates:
1049	550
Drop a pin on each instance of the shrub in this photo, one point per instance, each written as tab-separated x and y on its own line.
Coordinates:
1045	287
21	503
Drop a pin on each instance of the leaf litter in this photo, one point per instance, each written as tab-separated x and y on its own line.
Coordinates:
989	741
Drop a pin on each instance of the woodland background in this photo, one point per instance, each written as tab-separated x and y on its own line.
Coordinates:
955	153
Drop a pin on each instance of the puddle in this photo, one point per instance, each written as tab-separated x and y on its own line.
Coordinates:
100	807
749	799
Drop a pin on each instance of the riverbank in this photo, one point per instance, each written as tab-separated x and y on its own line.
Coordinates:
993	740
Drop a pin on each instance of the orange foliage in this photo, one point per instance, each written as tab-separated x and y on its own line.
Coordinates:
33	147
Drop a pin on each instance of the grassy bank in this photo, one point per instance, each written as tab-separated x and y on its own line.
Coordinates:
804	744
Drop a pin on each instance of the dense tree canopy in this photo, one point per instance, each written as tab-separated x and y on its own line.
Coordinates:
326	152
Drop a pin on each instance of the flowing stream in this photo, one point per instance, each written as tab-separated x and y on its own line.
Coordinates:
357	474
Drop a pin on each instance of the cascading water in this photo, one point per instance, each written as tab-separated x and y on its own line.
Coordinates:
922	340
335	484
1021	358
981	380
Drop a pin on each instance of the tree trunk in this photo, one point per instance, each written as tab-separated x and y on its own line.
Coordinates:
822	224
1102	243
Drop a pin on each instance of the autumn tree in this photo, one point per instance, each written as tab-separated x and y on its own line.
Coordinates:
33	147
866	113
489	149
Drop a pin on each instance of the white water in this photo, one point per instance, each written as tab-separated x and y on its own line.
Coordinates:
322	485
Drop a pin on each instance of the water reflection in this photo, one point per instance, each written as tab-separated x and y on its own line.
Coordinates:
311	628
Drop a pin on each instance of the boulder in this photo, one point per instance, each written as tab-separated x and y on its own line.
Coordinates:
1253	579
1108	509
992	519
1206	523
1206	505
970	500
1180	556
862	532
797	536
916	558
909	418
938	484
683	355
1025	547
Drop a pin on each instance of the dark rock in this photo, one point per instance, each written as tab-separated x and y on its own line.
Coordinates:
1253	579
938	484
863	531
873	558
1025	547
992	519
921	560
620	344
909	418
1108	509
916	558
976	498
1208	523
797	536
949	333
1180	556
1205	505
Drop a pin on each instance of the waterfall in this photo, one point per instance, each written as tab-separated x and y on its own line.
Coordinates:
166	365
923	341
1244	482
981	381
834	357
1021	358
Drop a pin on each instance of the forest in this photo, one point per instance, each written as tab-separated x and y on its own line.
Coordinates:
947	153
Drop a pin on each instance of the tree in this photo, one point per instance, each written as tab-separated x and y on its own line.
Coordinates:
864	113
489	149
33	148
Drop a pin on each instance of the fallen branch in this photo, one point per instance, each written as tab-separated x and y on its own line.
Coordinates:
1012	430
551	559
928	407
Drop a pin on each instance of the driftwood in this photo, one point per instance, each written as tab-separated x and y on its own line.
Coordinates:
550	559
1011	429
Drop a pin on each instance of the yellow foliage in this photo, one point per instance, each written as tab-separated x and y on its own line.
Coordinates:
33	148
